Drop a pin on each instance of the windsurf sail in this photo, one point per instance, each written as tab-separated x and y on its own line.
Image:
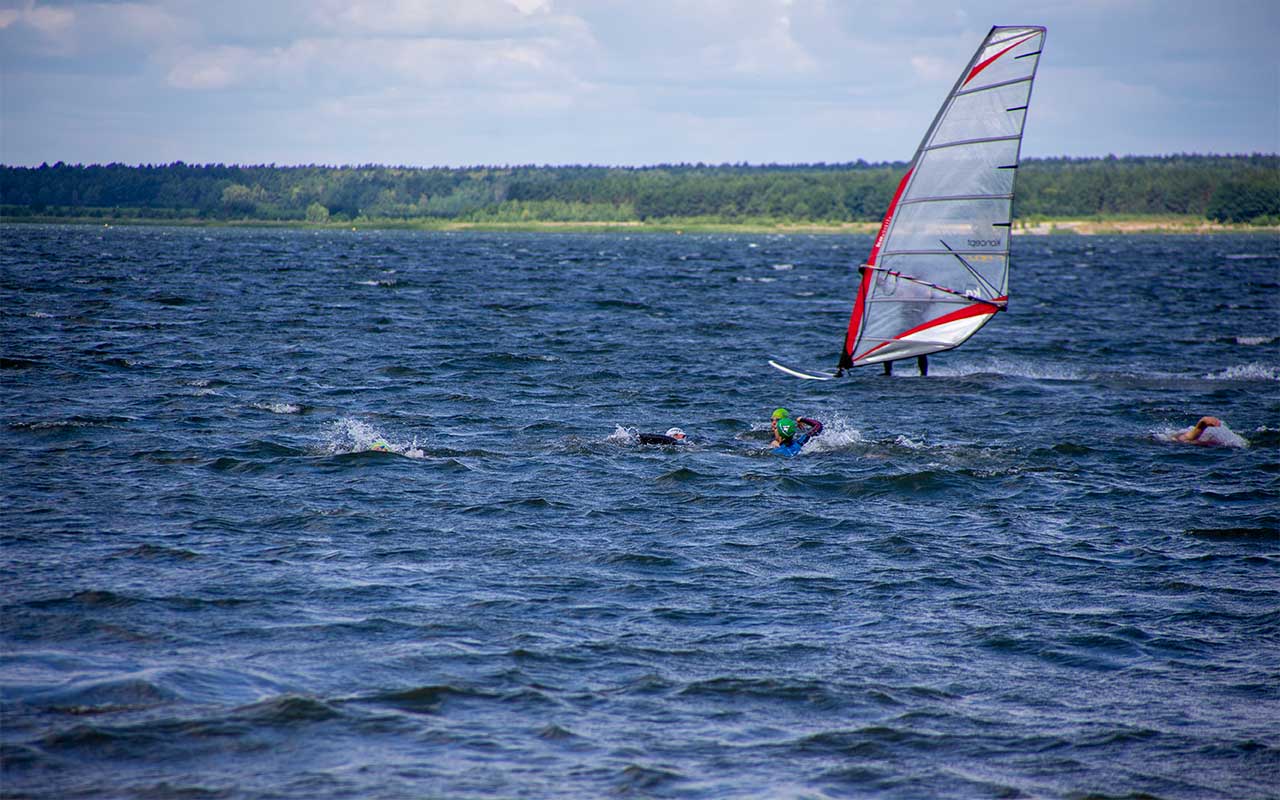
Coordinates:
939	267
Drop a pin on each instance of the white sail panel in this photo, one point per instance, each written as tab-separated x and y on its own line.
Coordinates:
964	225
983	114
939	268
971	170
971	275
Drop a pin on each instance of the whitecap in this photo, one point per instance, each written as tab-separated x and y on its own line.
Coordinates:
1038	371
349	435
1247	372
1254	340
623	435
279	408
837	434
906	442
1224	437
783	267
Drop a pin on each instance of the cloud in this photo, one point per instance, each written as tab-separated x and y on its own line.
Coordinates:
439	19
216	68
53	26
706	43
933	69
329	67
613	81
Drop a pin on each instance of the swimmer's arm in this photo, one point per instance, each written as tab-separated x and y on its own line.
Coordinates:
815	427
1196	432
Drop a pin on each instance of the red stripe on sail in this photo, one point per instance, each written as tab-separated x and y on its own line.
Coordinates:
975	310
855	318
973	72
888	217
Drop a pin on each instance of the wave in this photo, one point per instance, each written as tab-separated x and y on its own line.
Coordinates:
1248	256
419	699
737	689
152	551
279	408
642	780
87	599
838	434
1247	372
16	362
625	436
349	435
1236	534
77	421
1017	369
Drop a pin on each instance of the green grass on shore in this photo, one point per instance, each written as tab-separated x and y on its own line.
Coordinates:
1100	224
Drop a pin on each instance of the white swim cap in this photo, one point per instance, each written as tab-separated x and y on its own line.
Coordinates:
675	433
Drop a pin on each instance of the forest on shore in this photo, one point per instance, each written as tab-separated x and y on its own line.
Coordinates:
1232	189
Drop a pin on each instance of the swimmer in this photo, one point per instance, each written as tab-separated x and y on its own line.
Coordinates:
379	446
1192	435
789	435
672	436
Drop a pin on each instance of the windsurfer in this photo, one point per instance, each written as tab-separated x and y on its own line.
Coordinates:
922	364
1192	435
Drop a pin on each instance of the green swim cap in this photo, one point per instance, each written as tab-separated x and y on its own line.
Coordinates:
786	427
779	413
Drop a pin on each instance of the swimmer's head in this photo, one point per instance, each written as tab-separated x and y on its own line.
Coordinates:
380	446
675	433
786	428
781	413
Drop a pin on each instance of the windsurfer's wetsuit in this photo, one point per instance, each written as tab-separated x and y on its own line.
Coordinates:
922	362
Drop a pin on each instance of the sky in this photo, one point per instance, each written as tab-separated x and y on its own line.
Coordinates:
611	82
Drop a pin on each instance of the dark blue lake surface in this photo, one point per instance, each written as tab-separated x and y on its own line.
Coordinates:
1002	580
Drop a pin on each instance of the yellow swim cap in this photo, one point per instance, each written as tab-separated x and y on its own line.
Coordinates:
779	413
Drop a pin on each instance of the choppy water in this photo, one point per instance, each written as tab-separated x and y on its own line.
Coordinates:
1003	580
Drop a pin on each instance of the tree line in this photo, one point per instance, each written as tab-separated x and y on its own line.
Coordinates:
1241	188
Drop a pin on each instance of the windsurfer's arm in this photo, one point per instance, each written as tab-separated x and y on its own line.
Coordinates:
1194	433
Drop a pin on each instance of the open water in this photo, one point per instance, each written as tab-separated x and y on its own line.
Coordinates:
1002	580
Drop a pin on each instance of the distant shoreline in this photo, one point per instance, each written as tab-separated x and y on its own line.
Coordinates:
1104	225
